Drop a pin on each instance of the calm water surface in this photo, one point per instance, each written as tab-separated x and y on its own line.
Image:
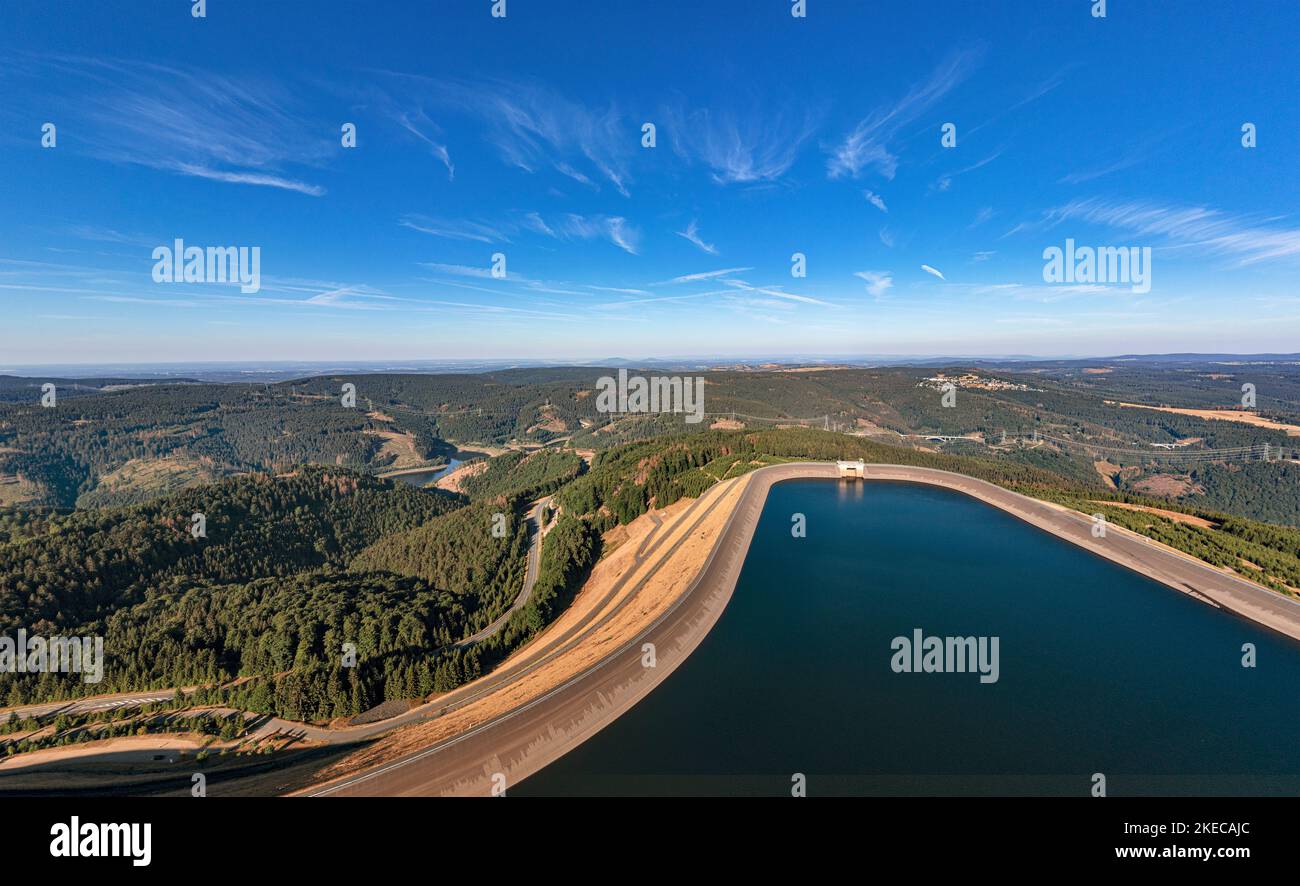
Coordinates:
1101	670
420	479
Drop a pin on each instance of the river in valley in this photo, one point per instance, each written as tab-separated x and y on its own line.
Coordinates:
1100	670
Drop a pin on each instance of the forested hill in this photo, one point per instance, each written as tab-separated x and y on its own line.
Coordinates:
17	388
71	570
477	550
112	444
524	474
294	566
291	568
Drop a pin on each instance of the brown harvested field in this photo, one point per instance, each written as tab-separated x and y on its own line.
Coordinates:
14	491
488	449
550	422
727	424
1167	486
400	447
1240	416
1108	472
1176	516
161	474
554	425
870	427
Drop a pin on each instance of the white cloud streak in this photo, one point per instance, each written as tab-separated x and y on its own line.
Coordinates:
868	145
221	128
878	282
692	233
704	275
740	149
1214	231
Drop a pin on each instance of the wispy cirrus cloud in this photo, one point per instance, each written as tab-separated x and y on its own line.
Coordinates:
532	127
703	275
1251	240
222	128
110	235
944	182
418	124
458	270
741	148
692	233
876	200
878	282
570	226
621	290
614	228
249	178
353	298
1042	89
1132	157
456	229
775	292
868	144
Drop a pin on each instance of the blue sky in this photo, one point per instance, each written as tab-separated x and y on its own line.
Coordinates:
522	136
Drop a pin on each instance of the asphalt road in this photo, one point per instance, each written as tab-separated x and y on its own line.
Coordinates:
532	565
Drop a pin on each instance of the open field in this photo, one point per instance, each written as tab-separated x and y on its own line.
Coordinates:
1239	416
1176	516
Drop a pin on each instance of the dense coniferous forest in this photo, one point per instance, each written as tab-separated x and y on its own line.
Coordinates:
1269	492
267	593
461	552
305	550
73	569
524	474
109	442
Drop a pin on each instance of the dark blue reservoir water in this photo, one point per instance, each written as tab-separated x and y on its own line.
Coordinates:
1100	670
